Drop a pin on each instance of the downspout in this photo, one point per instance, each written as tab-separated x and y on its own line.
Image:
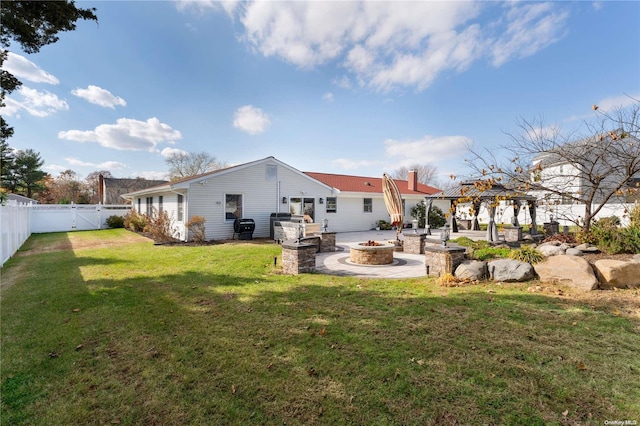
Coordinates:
278	198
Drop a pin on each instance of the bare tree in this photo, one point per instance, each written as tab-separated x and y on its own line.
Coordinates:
182	165
600	165
426	173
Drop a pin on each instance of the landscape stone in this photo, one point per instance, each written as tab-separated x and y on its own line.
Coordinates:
472	270
573	271
573	252
618	273
635	258
509	270
551	250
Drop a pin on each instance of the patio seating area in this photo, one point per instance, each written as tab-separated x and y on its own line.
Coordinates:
405	265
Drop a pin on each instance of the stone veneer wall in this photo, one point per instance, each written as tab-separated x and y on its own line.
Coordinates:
441	260
372	255
513	234
327	242
298	258
414	243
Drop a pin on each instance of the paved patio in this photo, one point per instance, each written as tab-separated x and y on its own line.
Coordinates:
404	265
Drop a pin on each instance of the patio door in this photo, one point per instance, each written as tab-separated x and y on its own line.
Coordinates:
303	206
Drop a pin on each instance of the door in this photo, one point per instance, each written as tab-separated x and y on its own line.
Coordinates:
303	206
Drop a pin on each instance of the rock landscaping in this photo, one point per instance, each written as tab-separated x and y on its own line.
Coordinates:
576	265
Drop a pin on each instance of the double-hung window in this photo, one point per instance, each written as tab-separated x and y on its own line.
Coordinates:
368	205
149	206
332	204
180	208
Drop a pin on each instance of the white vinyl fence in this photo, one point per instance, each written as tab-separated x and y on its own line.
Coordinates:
18	221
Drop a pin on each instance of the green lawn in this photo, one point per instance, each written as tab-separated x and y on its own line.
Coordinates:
135	333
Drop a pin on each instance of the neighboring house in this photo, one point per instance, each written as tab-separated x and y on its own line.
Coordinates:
257	189
21	199
572	169
110	190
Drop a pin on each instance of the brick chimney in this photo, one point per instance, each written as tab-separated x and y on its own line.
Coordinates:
101	199
413	180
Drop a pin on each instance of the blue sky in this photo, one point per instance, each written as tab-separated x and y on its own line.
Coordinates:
348	87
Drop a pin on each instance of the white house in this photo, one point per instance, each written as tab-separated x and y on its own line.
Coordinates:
259	188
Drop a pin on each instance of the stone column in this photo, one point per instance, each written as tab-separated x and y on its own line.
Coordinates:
414	243
441	260
298	258
327	242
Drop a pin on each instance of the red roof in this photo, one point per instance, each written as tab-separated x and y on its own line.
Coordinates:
349	183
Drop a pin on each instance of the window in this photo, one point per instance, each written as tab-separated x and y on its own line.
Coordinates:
180	208
160	206
233	206
332	204
139	205
271	172
149	206
368	205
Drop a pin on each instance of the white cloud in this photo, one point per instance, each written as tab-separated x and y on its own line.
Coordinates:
343	82
347	164
615	102
99	96
24	69
127	134
251	120
34	102
202	6
106	165
427	149
386	45
328	97
54	168
152	175
531	27
166	152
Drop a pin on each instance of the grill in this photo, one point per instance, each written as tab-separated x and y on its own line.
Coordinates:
244	228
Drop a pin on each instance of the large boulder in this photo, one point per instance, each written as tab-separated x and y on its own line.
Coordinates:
472	270
551	249
618	273
510	270
573	271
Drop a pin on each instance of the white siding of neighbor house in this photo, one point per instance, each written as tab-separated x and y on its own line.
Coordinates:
260	197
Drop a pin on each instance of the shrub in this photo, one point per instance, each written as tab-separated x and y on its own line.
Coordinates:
631	238
115	221
384	225
634	216
608	236
490	253
159	226
526	254
437	218
135	221
563	238
195	225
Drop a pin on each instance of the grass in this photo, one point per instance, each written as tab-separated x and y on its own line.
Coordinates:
142	334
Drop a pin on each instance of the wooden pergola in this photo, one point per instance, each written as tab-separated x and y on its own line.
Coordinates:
478	193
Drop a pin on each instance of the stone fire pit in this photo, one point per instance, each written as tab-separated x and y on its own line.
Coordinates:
372	253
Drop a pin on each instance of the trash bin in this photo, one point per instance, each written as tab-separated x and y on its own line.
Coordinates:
277	217
244	228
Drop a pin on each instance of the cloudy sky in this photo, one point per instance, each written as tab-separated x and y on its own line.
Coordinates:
348	87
